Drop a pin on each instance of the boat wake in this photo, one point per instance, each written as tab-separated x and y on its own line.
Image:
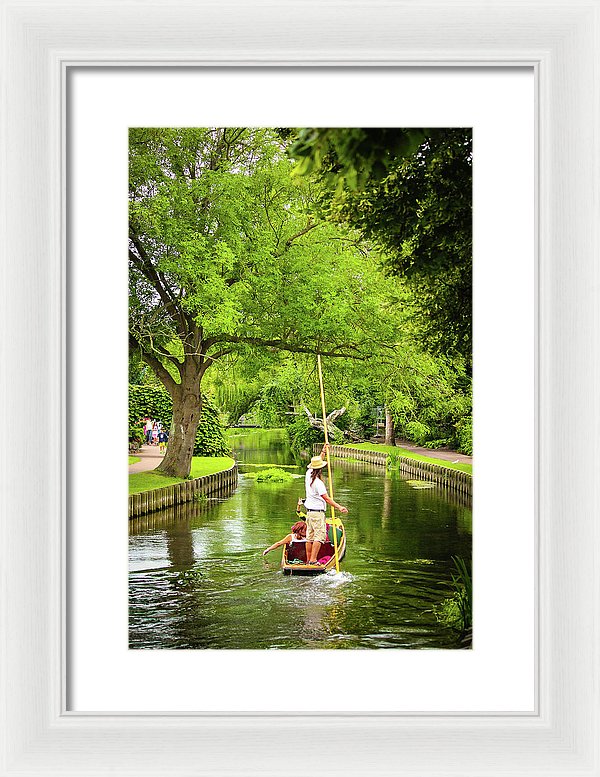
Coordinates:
332	578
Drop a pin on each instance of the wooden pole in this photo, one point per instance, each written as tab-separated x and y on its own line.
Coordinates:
333	526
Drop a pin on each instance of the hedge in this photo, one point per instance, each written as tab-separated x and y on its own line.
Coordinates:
154	401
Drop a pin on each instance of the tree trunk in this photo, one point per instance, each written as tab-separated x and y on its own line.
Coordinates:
187	407
390	434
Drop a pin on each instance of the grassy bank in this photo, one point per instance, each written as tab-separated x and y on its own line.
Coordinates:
201	465
370	446
133	460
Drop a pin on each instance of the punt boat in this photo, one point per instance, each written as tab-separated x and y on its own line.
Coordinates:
293	559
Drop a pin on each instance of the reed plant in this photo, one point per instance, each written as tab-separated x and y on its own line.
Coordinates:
457	610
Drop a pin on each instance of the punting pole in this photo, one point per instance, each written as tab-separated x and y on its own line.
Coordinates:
333	526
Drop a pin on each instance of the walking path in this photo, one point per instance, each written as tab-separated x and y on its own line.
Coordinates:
150	458
439	453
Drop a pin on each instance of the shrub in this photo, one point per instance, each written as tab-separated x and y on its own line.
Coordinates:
210	437
464	435
302	435
150	401
154	401
136	437
417	432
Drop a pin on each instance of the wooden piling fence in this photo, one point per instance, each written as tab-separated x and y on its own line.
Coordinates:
169	496
451	479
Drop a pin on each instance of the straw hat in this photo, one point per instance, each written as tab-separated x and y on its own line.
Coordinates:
317	463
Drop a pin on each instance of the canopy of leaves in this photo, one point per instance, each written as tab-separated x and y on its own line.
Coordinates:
351	158
411	194
224	251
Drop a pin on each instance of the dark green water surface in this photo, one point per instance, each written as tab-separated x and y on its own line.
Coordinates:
198	579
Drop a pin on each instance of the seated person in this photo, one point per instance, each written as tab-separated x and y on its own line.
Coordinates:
298	534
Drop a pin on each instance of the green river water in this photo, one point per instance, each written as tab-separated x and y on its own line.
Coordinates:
198	579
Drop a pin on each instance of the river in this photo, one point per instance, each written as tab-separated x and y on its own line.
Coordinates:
198	579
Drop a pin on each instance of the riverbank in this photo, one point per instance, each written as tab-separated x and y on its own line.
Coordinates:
433	471
451	459
199	579
142	476
220	484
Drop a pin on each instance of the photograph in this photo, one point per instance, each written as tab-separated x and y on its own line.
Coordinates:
362	258
300	388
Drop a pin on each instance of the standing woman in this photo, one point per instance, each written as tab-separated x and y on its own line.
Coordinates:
316	503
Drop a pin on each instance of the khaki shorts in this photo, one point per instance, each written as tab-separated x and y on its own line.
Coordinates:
315	526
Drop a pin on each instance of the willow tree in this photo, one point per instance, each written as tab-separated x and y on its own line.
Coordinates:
224	255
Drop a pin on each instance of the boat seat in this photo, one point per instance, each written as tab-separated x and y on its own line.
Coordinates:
330	534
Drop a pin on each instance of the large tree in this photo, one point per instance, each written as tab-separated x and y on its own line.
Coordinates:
410	191
224	255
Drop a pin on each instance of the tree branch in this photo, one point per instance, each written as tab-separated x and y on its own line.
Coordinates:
306	229
344	350
160	370
158	282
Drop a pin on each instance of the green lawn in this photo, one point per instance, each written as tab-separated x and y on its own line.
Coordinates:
201	465
370	446
134	460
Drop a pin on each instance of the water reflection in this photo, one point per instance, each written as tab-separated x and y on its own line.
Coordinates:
198	579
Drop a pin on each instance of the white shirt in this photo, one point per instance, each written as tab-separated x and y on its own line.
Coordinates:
314	493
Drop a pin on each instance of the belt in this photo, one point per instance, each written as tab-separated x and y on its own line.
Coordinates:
310	510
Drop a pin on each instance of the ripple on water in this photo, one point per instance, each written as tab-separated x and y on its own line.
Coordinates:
200	581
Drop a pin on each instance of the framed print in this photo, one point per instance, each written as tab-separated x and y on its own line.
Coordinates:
55	129
500	673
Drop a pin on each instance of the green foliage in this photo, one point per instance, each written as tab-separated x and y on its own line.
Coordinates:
420	215
457	610
302	435
201	466
233	263
220	230
464	435
429	398
417	431
136	437
210	437
351	157
275	402
227	255
273	475
155	402
234	395
405	452
362	402
393	460
138	370
152	401
410	192
144	401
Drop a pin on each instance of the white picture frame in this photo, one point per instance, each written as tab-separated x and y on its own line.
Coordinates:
559	40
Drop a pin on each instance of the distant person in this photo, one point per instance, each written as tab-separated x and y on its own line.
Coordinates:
155	433
148	426
163	438
315	504
297	534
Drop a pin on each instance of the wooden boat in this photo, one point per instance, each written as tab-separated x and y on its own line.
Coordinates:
293	559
